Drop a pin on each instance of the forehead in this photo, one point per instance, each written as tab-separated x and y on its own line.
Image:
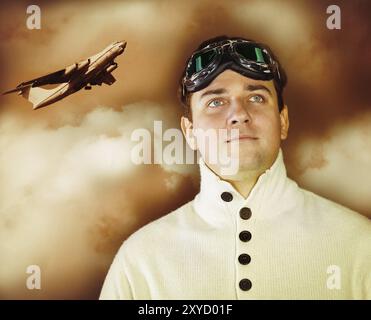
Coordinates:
232	81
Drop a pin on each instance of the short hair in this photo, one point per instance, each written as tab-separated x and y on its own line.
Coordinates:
278	84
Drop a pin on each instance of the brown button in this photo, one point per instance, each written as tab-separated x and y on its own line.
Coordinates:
244	258
245	213
227	196
245	284
245	236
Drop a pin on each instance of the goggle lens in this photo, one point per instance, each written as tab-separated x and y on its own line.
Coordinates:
252	53
201	61
246	51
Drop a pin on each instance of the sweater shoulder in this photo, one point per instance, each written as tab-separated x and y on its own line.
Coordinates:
160	230
335	215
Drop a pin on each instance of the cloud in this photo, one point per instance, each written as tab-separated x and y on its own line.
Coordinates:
70	195
337	165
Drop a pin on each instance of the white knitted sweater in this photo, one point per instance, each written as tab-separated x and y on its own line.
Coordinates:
298	246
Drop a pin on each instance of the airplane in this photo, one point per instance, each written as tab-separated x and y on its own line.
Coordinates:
92	71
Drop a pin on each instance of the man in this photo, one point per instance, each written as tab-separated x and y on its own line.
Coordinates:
251	234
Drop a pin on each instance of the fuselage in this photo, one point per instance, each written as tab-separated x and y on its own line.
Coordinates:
97	63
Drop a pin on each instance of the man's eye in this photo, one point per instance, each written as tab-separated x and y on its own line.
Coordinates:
257	99
216	103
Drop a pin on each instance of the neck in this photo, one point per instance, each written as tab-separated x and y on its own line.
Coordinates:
243	182
243	187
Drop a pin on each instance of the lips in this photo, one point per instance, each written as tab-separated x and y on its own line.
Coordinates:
242	137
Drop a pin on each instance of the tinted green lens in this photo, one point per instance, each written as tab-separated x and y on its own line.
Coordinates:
201	61
251	52
259	55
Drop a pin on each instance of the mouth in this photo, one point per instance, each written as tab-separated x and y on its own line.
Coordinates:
242	138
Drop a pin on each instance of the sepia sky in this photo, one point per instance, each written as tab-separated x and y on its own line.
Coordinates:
70	193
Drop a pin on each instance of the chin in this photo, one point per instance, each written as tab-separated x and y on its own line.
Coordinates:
250	160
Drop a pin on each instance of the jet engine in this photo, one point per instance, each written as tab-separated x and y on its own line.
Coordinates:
83	64
76	67
70	69
111	67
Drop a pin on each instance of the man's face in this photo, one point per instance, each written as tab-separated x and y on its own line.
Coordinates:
233	101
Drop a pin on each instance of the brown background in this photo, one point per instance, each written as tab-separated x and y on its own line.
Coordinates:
69	193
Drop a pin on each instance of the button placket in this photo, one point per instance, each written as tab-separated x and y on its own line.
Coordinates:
243	224
244	236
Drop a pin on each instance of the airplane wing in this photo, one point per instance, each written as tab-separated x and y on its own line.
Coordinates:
51	78
104	77
57	77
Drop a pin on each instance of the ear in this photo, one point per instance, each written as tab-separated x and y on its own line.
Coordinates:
187	128
284	116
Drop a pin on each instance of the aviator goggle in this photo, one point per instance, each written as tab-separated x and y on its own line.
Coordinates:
248	58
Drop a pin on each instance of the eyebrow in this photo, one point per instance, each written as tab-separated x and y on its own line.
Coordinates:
250	87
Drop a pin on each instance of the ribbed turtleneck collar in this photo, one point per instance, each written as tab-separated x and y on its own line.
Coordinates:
270	192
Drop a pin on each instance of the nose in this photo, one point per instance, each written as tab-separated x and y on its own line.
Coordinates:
120	46
240	115
123	44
